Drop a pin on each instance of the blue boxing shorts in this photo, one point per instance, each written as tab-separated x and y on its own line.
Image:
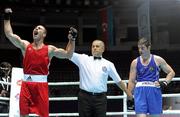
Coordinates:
148	98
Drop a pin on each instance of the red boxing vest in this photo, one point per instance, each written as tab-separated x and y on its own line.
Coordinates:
36	62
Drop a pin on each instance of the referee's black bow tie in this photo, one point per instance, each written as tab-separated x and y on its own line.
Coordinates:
97	58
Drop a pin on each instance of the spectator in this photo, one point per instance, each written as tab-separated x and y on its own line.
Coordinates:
5	76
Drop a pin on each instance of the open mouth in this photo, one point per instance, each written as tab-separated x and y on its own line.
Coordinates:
35	32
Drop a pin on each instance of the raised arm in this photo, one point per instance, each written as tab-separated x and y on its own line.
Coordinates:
15	39
65	53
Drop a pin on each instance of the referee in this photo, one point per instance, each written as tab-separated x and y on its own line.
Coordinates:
94	71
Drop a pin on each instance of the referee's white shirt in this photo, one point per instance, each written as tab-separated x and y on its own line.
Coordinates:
94	73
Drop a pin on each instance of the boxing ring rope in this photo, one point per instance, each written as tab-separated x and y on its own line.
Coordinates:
124	97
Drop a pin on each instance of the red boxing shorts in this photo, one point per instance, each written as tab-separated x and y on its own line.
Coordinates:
34	98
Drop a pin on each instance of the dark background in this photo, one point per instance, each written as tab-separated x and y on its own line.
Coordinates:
59	15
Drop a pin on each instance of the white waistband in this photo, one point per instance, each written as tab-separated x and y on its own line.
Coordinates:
145	84
35	78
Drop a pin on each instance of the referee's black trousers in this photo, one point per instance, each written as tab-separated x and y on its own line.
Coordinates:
92	105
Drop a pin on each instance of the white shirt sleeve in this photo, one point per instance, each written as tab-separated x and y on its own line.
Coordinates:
78	58
113	73
75	58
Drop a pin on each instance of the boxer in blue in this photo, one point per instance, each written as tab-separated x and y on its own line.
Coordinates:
144	80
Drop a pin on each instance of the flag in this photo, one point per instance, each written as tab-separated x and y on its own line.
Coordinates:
105	26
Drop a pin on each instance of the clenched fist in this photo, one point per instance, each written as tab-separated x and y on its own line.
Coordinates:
72	34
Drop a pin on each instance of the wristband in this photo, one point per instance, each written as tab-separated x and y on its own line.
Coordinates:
7	16
73	39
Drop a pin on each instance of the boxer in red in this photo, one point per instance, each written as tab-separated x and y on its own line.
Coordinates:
36	60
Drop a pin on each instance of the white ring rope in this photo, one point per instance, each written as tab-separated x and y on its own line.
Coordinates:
109	82
108	97
170	112
124	97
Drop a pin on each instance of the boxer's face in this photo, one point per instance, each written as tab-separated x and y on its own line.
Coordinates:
143	50
39	32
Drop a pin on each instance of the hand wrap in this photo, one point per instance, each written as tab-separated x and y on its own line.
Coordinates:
163	84
130	104
7	14
73	33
